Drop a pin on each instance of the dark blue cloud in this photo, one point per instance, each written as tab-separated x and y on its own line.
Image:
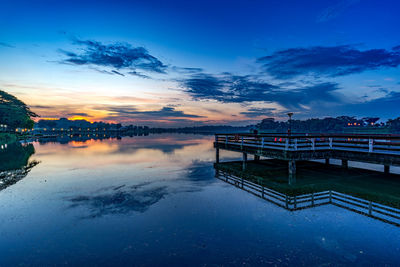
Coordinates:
132	112
138	74
384	106
186	70
259	112
230	88
79	114
335	10
6	45
327	61
117	72
117	56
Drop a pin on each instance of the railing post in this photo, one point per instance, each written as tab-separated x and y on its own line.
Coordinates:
295	144
370	208
313	143
287	144
330	142
226	139
371	145
330	196
312	199
244	163
262	142
242	143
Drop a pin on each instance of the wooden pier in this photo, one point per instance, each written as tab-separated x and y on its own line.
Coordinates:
377	149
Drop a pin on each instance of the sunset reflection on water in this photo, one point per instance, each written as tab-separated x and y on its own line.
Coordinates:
154	200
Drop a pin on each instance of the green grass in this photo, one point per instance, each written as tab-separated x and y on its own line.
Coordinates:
316	177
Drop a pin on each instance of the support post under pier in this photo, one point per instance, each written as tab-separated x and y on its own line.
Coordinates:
345	163
256	158
217	155
386	169
327	161
292	171
244	161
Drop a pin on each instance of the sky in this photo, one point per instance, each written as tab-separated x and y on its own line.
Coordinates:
192	63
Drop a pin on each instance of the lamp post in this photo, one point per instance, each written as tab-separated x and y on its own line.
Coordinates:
290	114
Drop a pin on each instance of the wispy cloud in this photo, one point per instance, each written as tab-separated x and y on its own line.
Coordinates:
229	88
335	10
259	112
6	45
384	106
83	114
133	112
329	61
114	57
186	70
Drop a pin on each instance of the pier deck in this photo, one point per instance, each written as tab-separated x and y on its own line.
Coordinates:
376	149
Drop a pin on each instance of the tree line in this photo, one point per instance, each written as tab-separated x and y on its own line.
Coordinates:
329	124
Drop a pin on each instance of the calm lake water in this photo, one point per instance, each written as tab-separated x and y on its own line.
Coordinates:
154	200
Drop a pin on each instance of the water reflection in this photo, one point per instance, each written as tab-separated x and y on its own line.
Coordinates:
154	201
166	144
315	190
139	197
120	200
15	164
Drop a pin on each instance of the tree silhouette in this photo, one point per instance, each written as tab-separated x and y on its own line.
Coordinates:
14	113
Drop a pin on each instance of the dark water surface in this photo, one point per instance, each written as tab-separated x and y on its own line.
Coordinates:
154	200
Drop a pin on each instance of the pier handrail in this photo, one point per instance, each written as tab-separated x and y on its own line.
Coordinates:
371	143
303	135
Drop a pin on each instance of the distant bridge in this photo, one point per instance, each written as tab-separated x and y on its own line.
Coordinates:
378	149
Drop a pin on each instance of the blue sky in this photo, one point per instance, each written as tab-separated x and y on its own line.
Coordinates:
175	63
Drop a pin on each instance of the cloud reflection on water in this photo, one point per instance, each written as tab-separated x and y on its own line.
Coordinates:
120	200
130	174
124	199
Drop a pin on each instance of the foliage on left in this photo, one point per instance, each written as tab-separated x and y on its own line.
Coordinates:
14	113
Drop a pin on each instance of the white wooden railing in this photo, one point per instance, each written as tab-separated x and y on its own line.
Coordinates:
386	144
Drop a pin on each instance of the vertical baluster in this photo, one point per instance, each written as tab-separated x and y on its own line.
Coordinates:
286	202
371	145
295	144
370	208
312	199
262	142
313	143
330	142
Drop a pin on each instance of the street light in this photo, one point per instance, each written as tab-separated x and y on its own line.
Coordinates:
290	114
